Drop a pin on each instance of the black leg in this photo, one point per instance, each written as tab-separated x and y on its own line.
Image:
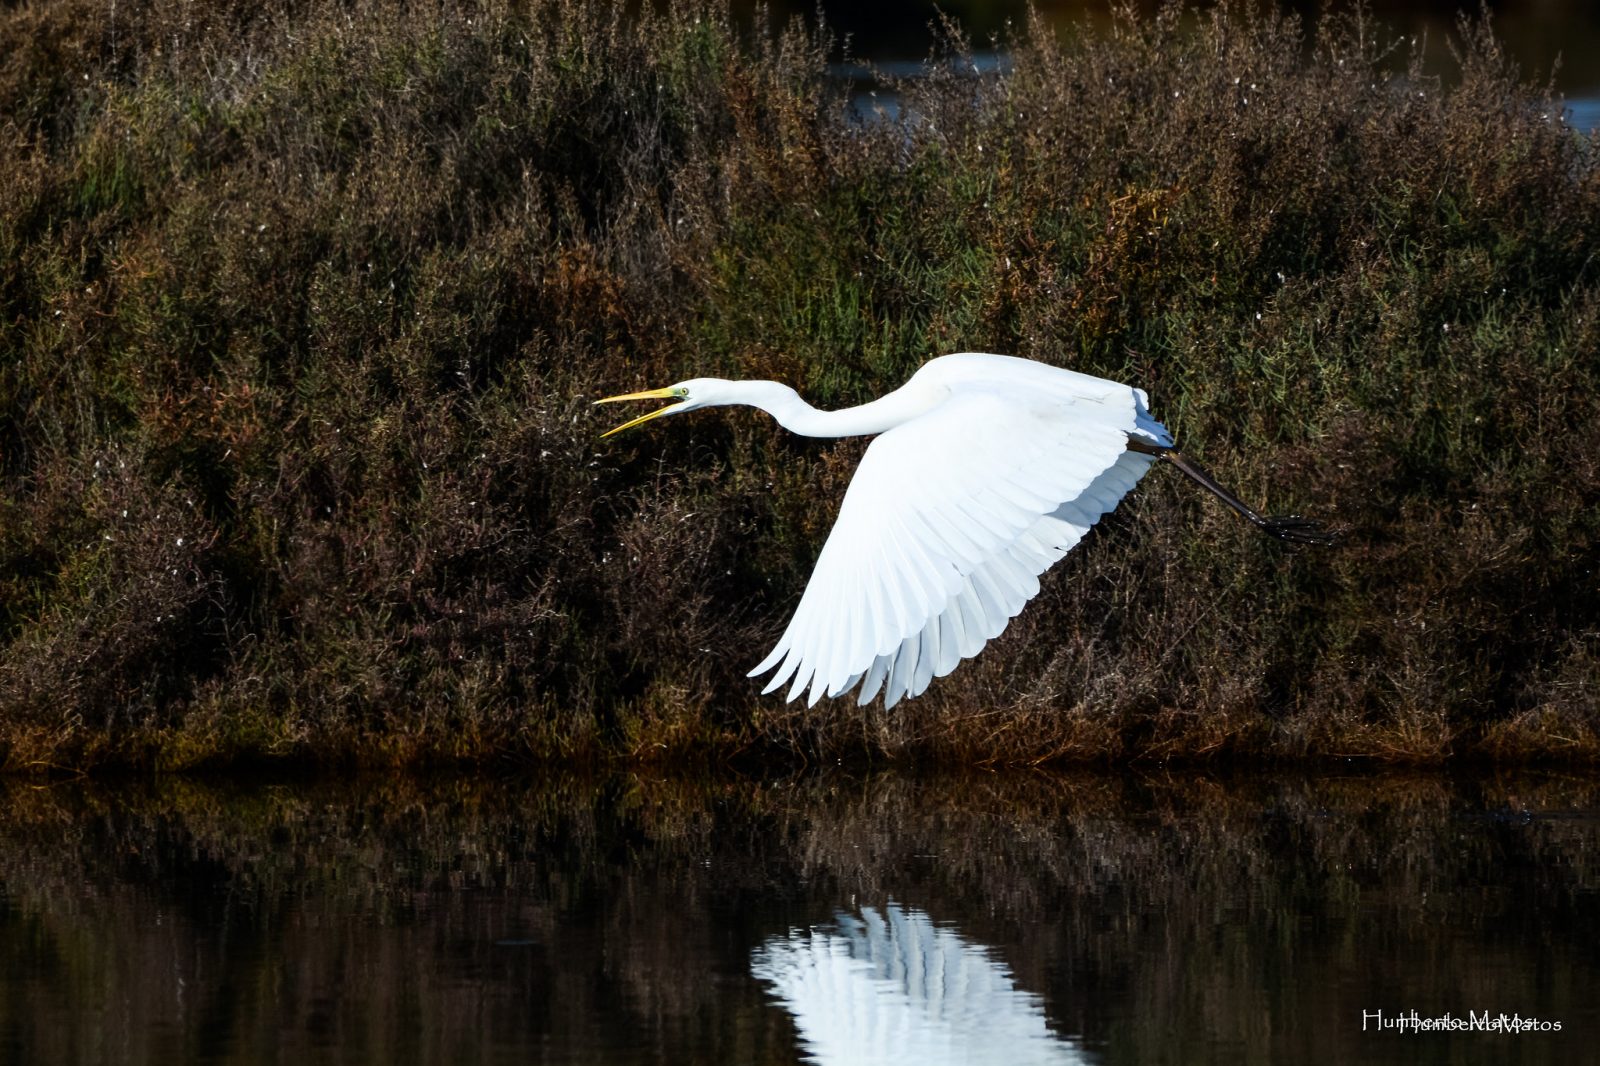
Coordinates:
1285	527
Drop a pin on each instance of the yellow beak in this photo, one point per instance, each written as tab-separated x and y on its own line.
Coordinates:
650	394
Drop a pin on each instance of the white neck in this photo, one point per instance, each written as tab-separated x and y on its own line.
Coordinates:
797	416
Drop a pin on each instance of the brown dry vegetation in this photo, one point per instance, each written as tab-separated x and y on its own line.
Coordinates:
302	304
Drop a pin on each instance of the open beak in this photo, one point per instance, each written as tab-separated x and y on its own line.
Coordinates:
651	394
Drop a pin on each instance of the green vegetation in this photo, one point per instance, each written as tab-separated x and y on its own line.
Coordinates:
302	306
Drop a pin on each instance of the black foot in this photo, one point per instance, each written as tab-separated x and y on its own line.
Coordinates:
1298	530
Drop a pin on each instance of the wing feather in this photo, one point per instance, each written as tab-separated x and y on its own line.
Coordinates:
944	531
875	678
952	637
972	622
905	662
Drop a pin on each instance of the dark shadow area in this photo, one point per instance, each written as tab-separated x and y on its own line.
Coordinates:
1103	918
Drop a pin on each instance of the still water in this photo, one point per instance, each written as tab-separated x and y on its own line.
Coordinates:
829	919
1550	42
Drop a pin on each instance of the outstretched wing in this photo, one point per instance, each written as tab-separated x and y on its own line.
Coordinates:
944	530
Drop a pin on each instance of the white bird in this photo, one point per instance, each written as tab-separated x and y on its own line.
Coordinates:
895	986
986	470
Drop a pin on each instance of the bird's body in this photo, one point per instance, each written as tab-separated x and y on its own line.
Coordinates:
992	469
986	470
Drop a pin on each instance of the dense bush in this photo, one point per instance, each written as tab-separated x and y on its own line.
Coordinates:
302	306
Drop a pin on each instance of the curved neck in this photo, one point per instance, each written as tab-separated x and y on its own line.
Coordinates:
797	416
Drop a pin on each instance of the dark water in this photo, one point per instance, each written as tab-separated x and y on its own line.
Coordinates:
1554	42
1546	39
1007	919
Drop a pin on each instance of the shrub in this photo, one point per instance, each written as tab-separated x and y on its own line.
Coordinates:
331	284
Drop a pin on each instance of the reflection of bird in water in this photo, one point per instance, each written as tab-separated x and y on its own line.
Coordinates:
986	471
892	987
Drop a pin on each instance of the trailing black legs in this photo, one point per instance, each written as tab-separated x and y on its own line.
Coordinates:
1291	528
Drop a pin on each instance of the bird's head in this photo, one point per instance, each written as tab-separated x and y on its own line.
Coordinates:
696	392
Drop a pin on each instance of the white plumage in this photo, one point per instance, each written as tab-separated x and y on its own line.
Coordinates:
894	986
986	471
950	520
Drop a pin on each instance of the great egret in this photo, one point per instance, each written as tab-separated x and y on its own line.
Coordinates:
987	469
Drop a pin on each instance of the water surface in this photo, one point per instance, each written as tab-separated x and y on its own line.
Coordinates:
834	918
1549	42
